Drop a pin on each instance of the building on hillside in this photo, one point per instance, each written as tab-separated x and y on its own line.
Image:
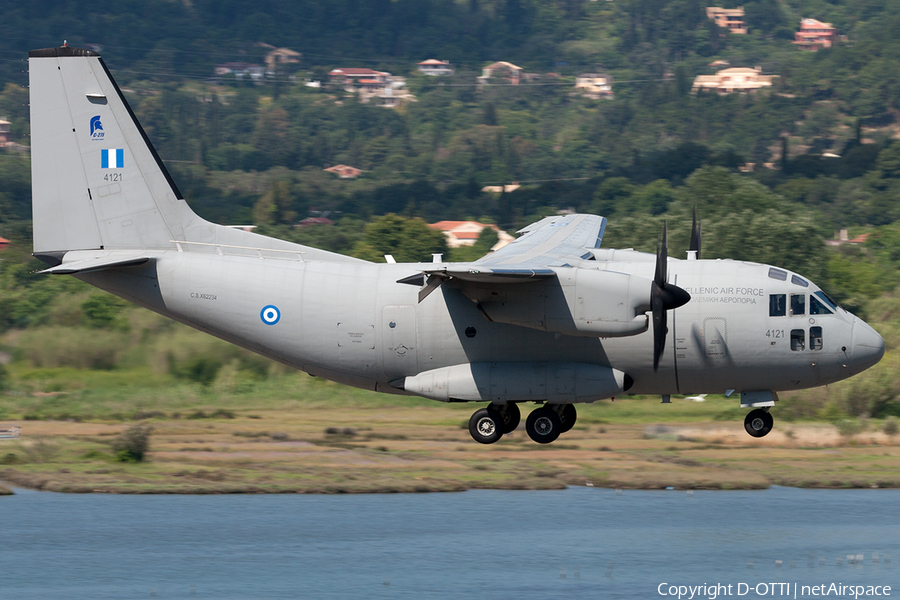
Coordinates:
433	66
842	237
594	85
465	233
731	19
3	243
345	171
5	132
814	34
499	189
349	76
503	70
255	73
737	79
280	57
311	221
385	89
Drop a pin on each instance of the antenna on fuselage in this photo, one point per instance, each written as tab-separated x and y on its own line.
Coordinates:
693	252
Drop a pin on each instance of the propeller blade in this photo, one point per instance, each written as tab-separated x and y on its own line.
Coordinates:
660	325
662	257
663	298
696	234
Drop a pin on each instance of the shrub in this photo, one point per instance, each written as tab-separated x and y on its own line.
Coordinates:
104	311
133	444
849	427
76	347
40	450
890	426
199	369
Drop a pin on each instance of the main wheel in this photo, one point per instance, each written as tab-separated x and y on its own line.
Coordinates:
567	415
486	426
510	414
543	425
758	422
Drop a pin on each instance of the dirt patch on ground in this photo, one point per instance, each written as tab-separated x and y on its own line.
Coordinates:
419	452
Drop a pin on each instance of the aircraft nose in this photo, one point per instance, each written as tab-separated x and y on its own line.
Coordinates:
868	345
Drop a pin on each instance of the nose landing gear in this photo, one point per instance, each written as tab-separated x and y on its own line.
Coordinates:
758	422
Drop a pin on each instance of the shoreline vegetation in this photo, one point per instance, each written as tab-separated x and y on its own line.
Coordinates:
297	434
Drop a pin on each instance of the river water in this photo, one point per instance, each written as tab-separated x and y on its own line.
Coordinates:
576	543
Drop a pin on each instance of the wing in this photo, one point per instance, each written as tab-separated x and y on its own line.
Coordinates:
552	241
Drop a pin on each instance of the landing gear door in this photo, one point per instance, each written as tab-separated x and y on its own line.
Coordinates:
398	336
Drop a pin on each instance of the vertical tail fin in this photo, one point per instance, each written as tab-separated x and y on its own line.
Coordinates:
97	182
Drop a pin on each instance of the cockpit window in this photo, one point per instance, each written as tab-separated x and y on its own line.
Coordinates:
798	304
777	305
796	280
817	307
777	274
827	300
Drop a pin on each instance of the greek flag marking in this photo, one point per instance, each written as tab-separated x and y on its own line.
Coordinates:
112	159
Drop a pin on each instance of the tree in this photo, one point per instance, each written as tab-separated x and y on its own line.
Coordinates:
274	208
407	240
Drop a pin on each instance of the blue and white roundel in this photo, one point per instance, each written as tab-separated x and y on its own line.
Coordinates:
270	315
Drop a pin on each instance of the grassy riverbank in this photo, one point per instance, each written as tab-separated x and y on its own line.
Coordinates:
293	433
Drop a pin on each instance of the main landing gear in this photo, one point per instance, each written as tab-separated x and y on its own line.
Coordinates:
544	424
758	422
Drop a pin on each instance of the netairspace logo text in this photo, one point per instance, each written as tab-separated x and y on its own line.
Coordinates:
771	590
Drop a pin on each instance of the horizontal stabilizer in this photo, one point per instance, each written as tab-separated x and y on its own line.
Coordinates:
95	264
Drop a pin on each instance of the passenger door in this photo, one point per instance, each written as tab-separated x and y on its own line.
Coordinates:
398	341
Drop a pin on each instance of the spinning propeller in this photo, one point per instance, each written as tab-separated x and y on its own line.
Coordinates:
665	296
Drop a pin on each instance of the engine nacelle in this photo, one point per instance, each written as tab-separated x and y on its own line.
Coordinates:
578	301
555	382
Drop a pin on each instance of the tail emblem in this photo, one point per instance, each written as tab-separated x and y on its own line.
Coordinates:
112	159
96	128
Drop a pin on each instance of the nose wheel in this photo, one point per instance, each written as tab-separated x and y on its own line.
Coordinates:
758	422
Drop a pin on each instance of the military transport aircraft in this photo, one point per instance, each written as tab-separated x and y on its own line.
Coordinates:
552	318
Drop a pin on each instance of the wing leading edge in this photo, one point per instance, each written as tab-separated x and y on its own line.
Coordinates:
552	241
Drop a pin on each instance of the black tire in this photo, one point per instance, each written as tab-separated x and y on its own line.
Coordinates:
568	415
758	423
486	426
543	425
511	416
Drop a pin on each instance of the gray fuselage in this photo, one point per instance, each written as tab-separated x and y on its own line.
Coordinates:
352	322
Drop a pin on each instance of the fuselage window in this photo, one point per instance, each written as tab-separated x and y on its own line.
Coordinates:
798	304
815	338
777	274
799	281
798	339
777	305
816	307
